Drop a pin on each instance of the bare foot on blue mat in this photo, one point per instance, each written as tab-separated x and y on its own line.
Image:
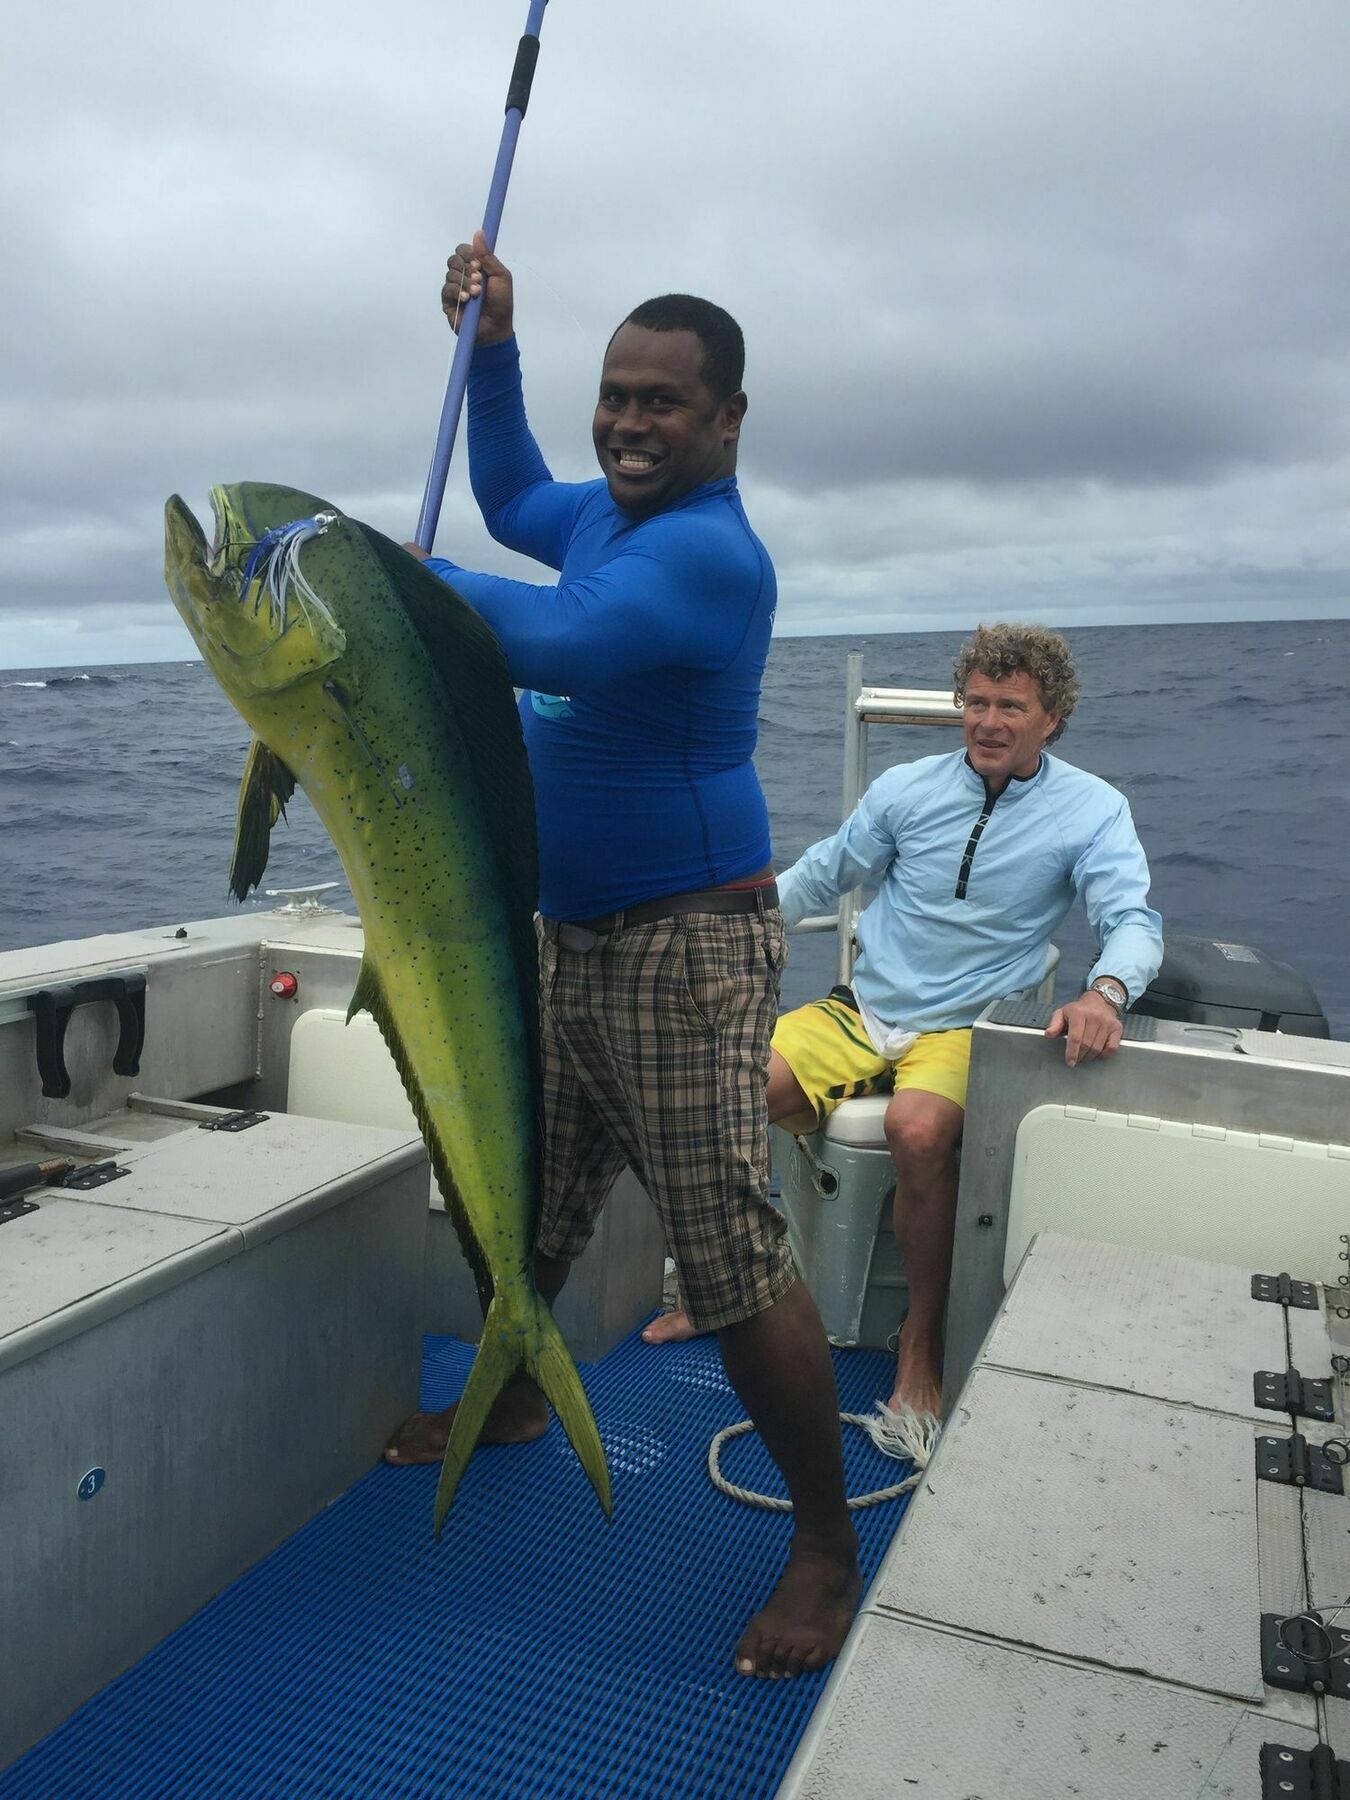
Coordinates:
518	1415
806	1619
670	1328
918	1377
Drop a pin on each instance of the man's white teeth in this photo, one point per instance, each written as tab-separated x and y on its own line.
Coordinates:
636	460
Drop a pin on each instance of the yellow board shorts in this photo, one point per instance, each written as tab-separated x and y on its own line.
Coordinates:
826	1046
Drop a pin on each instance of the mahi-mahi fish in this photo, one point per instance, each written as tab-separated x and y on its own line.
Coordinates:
370	685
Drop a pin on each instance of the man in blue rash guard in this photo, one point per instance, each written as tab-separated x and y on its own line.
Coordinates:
661	940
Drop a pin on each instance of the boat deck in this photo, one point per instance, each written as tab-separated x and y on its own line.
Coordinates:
536	1651
1094	1592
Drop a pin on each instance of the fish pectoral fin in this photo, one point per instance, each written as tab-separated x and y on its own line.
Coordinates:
266	787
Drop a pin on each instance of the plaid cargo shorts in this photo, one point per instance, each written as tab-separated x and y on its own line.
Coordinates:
655	1054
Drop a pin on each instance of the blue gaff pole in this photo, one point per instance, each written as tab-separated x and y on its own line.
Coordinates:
517	98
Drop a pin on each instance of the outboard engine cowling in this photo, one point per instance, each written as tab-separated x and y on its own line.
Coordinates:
1208	981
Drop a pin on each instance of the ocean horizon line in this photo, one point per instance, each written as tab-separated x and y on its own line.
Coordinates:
927	625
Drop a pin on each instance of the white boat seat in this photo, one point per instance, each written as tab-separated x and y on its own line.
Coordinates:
859	1123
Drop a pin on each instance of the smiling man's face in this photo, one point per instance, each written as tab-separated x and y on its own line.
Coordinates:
1006	726
659	429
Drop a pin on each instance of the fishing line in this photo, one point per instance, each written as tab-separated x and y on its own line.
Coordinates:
459	296
540	276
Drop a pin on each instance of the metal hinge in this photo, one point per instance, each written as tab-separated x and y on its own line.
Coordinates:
245	1121
1304	1655
1285	1390
1288	1774
1284	1290
15	1209
1295	1462
93	1175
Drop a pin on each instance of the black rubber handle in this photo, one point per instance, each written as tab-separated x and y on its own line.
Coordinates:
52	1007
522	75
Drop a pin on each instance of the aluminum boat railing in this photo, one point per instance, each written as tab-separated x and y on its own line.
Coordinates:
864	707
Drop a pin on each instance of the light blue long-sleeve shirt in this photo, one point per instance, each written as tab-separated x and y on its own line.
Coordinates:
963	915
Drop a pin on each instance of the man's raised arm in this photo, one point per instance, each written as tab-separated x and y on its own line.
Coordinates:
522	506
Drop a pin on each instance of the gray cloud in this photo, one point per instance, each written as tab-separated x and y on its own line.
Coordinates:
1045	302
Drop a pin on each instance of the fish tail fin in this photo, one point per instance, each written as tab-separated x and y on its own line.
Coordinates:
516	1336
550	1363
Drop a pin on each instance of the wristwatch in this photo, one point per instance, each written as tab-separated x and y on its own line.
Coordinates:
1112	991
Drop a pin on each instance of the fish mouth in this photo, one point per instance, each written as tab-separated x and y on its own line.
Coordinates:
200	576
182	530
185	560
187	545
245	598
232	537
225	556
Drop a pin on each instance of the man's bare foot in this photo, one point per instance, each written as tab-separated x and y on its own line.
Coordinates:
670	1328
918	1378
807	1616
518	1415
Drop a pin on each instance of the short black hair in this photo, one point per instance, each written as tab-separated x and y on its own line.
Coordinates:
721	337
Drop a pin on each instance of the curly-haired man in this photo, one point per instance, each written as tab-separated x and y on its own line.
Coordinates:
976	856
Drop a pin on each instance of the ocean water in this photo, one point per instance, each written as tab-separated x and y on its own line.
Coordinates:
1232	743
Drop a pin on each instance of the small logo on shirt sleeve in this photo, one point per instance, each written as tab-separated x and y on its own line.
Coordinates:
552	706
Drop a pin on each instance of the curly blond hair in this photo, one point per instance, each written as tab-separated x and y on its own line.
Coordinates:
999	650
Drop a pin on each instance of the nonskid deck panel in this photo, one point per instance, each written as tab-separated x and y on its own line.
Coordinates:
535	1652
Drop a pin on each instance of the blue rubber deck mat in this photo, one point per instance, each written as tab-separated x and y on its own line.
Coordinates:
534	1653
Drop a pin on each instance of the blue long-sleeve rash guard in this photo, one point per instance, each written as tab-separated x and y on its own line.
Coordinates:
642	666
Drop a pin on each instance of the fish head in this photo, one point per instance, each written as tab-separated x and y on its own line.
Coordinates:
254	613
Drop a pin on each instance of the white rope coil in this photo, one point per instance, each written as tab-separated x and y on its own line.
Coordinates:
900	1433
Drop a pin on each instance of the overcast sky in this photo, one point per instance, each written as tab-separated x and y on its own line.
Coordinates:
1047	304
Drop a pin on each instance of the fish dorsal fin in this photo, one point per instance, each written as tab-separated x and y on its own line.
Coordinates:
266	787
472	671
